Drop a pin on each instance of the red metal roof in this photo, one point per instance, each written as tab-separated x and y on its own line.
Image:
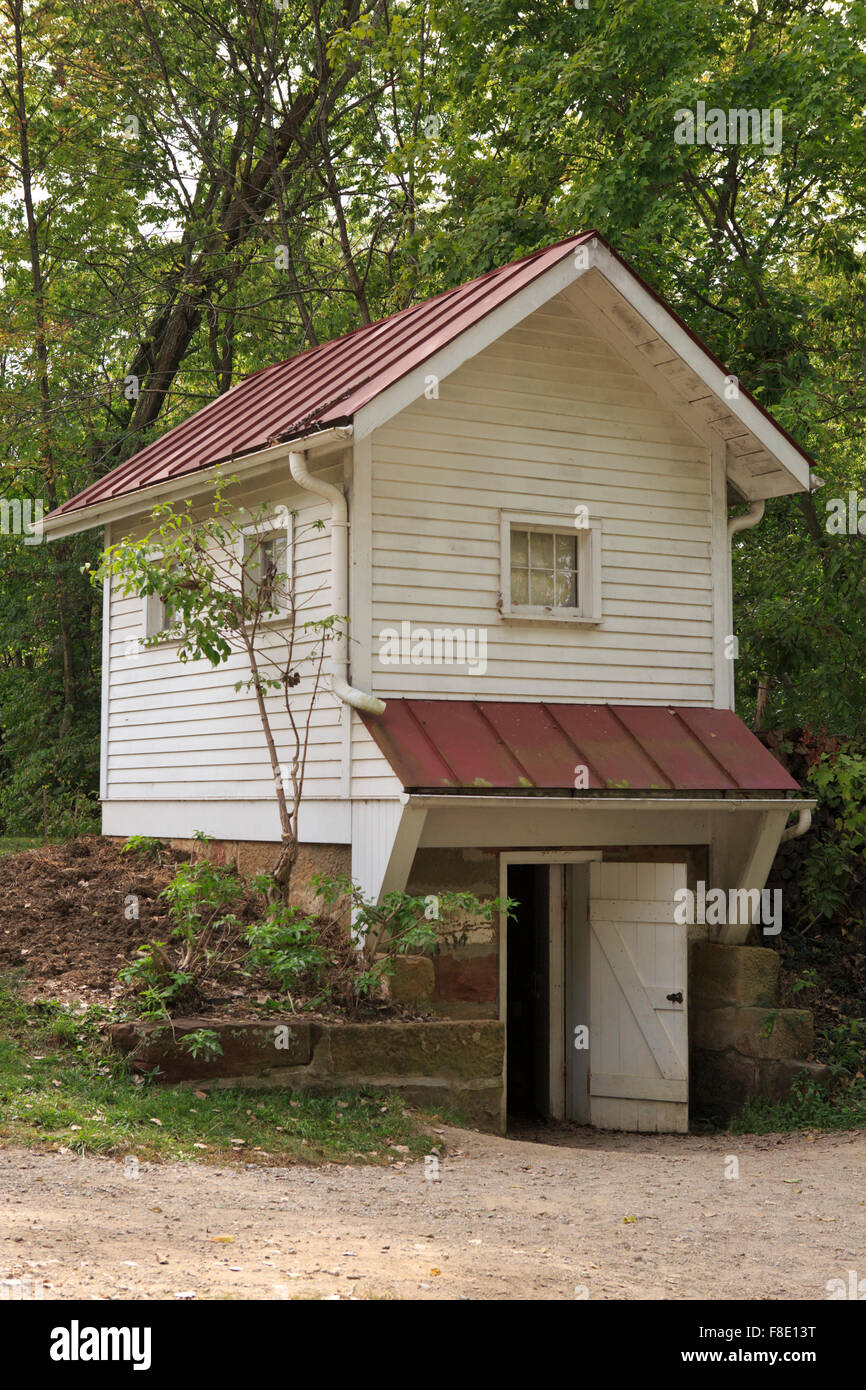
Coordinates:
322	387
448	745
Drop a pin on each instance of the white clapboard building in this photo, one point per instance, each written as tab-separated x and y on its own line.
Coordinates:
526	487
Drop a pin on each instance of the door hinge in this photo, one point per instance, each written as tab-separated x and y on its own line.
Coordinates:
676	998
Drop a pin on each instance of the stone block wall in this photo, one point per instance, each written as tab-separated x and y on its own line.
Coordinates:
741	1044
465	973
455	1065
259	856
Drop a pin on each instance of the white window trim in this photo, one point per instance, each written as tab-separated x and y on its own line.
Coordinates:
282	520
588	576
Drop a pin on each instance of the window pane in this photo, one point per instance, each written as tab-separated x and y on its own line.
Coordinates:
266	571
169	615
566	551
520	548
566	590
251	569
519	586
273	551
566	571
545	568
540	587
541	550
273	563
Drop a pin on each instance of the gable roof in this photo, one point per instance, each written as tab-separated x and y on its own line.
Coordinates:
325	387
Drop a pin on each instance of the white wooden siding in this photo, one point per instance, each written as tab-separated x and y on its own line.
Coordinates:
182	732
372	776
548	417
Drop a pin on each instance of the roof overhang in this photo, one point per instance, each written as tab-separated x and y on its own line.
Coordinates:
577	751
444	801
378	370
131	505
761	458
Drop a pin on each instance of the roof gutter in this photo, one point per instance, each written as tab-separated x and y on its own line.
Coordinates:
451	802
174	489
357	699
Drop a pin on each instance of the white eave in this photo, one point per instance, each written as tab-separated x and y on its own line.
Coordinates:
131	505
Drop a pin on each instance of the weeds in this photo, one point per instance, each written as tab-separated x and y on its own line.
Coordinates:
808	1106
170	975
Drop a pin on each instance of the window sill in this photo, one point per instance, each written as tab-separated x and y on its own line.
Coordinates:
541	615
275	620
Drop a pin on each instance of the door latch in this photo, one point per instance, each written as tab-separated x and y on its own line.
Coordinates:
676	998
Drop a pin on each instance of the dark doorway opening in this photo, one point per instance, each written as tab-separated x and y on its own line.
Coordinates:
528	985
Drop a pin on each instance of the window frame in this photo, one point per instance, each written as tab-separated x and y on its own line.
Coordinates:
588	610
282	520
154	614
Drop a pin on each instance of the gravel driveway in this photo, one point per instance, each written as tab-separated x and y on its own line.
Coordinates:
579	1214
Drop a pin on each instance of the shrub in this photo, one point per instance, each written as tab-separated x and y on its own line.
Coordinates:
286	944
170	974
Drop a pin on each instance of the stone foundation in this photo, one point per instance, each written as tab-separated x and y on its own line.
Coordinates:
465	973
260	856
455	1065
740	1044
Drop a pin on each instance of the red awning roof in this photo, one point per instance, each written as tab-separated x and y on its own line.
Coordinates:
450	745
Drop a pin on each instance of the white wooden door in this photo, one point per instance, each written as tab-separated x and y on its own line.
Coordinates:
638	1032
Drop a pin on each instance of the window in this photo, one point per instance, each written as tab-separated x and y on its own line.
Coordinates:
157	615
267	565
544	568
550	570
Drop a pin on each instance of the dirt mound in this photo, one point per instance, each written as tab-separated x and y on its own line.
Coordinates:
68	915
71	915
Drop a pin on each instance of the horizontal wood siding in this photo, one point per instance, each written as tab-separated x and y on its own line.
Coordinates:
372	776
548	417
182	732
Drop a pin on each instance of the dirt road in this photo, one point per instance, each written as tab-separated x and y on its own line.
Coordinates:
582	1214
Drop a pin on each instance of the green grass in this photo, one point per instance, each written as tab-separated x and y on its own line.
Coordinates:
807	1107
61	1088
12	844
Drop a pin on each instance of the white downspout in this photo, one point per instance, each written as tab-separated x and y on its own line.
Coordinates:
747	520
735	524
339	664
804	821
